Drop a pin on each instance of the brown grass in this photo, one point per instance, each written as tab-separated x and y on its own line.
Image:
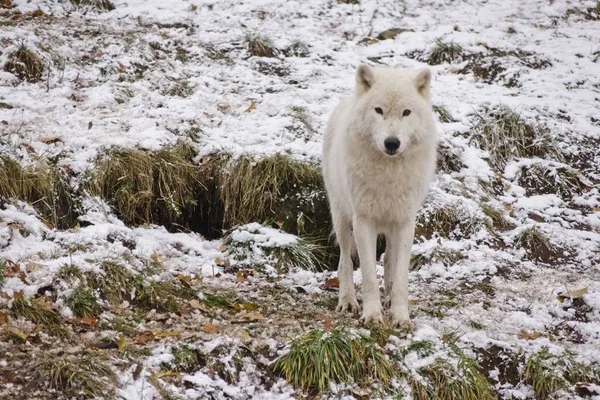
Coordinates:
25	64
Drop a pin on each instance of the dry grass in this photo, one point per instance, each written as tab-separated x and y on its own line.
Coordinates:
25	64
545	178
297	49
43	185
448	159
497	217
445	256
318	359
268	189
38	312
536	244
443	114
451	220
260	46
505	135
98	5
254	252
149	187
77	376
444	52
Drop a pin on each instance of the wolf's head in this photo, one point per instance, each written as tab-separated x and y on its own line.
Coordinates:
393	111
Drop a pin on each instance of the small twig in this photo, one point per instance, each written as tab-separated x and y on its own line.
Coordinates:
48	80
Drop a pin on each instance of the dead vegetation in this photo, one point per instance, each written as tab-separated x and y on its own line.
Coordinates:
96	5
537	245
547	178
448	159
444	52
260	46
43	185
79	376
451	220
506	135
25	64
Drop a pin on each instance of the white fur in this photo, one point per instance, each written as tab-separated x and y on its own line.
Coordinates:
371	192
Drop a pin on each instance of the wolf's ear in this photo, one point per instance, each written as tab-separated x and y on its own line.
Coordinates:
423	81
365	77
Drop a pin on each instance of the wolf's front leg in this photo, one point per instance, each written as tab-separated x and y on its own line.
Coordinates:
402	239
365	236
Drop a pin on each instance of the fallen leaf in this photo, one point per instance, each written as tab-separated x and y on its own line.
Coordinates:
121	342
16	333
50	139
210	328
89	321
529	335
166	334
327	324
241	277
222	248
3	318
332	283
251	107
254	316
219	261
167	374
143	338
197	305
245	306
573	294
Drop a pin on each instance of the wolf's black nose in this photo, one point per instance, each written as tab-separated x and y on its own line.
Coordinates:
391	144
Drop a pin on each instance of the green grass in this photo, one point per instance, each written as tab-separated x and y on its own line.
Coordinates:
38	312
318	358
82	302
69	273
185	359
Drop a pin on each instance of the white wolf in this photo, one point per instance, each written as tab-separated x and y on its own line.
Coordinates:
379	157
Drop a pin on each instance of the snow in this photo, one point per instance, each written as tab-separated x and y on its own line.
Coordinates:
119	81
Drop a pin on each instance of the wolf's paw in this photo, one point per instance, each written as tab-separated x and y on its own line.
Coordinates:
348	304
372	319
402	325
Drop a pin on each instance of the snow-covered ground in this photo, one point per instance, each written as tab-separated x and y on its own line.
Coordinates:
150	73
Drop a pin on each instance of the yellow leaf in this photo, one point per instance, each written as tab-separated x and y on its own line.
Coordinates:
254	316
245	306
121	342
166	334
251	107
219	261
16	333
210	328
573	294
530	335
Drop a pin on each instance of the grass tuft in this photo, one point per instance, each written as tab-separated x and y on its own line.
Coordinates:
540	374
318	359
438	254
260	46
149	187
297	49
452	220
448	159
254	245
98	5
25	64
536	244
543	178
443	114
444	52
69	273
81	376
181	88
43	185
82	302
38	312
185	359
505	135
497	217
276	188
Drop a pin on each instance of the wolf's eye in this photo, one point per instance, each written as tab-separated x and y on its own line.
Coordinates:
378	110
406	113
